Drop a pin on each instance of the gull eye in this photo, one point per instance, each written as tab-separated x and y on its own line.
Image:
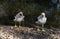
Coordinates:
20	14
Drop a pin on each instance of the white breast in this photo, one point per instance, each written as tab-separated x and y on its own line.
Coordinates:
19	19
42	20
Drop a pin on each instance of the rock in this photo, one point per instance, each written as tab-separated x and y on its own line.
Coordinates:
6	32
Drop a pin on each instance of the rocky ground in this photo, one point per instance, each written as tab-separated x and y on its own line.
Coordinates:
10	32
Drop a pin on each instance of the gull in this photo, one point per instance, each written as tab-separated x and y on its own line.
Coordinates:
41	20
19	18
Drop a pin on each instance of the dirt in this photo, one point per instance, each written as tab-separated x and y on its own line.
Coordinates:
10	32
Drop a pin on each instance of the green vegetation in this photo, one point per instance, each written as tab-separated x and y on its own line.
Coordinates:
31	9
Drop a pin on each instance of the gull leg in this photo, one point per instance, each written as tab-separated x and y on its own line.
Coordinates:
43	27
15	24
19	24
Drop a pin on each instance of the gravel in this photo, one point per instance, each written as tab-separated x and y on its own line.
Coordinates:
10	32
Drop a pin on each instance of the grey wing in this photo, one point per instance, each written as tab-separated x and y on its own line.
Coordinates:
39	17
17	16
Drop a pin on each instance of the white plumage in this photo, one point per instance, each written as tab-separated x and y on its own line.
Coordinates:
19	18
41	19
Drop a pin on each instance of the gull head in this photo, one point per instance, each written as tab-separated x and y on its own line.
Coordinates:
21	13
43	14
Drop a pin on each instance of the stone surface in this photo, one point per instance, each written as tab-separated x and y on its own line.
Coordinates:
9	32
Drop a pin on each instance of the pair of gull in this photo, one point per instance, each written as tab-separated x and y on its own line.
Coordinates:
40	19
